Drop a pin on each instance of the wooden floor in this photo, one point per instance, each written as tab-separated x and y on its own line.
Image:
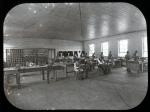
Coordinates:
117	90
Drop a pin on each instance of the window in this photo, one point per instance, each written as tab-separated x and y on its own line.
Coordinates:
122	48
144	47
104	48
4	52
4	55
91	49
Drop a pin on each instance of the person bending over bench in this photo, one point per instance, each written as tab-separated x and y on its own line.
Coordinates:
105	67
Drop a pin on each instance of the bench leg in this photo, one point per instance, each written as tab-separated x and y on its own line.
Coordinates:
66	72
7	79
86	74
55	75
48	76
76	75
43	77
18	80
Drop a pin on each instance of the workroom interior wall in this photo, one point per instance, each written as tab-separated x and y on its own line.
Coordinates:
59	45
134	43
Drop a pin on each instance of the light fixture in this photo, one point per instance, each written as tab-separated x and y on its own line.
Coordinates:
18	94
53	4
34	11
41	25
32	4
53	108
105	28
29	8
105	17
122	25
6	35
66	3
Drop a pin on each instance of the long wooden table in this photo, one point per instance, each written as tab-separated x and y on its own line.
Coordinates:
118	62
48	68
69	68
55	68
136	66
13	70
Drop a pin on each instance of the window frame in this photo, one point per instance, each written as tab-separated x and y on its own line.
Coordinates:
143	48
119	53
102	50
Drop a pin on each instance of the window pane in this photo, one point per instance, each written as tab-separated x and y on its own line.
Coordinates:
104	48
145	52
122	54
4	55
145	44
123	47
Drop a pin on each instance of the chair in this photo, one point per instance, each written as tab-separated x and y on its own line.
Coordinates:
71	70
145	66
49	69
55	68
78	71
104	68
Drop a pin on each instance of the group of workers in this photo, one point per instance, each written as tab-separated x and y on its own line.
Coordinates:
103	65
135	56
89	63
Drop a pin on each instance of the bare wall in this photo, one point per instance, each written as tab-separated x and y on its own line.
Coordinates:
134	43
43	43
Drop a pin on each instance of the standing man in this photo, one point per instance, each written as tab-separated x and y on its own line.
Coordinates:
110	55
127	57
101	56
135	55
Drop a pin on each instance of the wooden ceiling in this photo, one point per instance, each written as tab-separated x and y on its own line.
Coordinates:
72	21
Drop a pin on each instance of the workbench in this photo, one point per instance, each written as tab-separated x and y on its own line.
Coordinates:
136	66
18	71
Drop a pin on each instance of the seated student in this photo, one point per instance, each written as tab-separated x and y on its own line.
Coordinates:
102	65
101	56
135	55
75	57
78	70
93	55
110	58
85	55
79	54
127	56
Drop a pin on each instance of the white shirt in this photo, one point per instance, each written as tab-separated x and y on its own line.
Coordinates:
100	62
79	53
77	68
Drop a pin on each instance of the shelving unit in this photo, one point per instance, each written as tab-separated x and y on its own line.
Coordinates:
39	56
